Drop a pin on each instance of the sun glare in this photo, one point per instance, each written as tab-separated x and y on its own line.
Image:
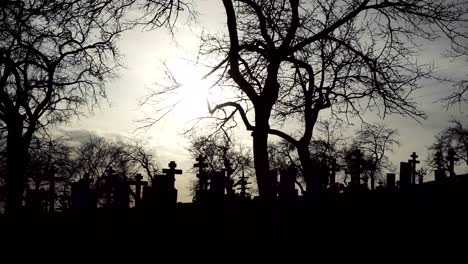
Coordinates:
193	92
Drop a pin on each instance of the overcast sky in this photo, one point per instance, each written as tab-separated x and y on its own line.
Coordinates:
145	50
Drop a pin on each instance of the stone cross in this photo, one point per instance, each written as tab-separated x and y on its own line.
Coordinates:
451	159
201	165
138	185
413	161
171	172
243	185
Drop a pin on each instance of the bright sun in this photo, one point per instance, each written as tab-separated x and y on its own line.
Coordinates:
193	92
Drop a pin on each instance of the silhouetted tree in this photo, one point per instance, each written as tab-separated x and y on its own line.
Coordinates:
454	136
375	141
48	156
55	57
459	95
144	160
219	150
293	59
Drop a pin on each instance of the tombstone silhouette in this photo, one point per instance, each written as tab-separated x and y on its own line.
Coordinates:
162	193
243	183
287	183
439	173
138	183
405	175
217	185
334	167
451	159
413	162
355	170
82	197
391	184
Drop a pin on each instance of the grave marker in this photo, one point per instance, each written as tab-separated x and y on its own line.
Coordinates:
405	175
413	161
139	183
451	159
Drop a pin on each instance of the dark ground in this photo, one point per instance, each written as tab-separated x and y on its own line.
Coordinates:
426	229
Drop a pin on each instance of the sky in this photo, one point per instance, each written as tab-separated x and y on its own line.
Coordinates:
143	55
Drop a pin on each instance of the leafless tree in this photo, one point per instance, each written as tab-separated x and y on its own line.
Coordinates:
144	159
454	136
459	95
55	57
375	143
219	149
293	59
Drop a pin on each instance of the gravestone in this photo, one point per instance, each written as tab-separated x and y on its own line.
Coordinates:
323	171
355	169
229	184
166	183
217	185
162	192
201	175
405	175
242	183
451	159
109	187
121	193
439	173
287	183
391	180
272	182
413	161
116	190
138	183
35	200
82	197
333	169
201	194
52	180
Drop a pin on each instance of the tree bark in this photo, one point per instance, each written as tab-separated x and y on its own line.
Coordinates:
311	178
260	152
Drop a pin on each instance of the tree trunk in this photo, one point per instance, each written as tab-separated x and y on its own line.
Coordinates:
260	152
311	177
16	166
372	181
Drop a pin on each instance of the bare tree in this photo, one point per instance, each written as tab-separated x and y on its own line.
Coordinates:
455	136
375	142
48	156
54	59
459	95
221	151
293	59
145	161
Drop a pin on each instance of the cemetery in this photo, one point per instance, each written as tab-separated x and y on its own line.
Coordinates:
124	219
99	100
